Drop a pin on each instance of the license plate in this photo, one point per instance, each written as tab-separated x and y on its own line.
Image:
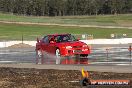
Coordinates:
77	51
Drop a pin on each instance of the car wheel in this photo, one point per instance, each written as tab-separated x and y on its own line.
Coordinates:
58	55
38	56
39	53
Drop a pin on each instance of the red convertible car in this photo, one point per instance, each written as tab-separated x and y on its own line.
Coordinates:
62	45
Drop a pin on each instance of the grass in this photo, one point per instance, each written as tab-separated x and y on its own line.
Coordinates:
30	32
105	20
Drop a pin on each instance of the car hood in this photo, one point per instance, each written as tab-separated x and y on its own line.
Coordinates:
74	43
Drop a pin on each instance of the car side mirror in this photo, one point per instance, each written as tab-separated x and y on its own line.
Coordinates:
78	39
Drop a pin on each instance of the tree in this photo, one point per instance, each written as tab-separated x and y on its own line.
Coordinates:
128	6
6	5
65	7
116	6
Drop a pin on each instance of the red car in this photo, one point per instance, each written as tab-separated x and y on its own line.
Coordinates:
62	45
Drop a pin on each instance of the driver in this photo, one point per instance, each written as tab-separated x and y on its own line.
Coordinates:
52	40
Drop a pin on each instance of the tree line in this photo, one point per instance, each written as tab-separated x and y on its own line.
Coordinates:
65	7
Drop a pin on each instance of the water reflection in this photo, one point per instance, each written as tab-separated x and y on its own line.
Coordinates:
98	56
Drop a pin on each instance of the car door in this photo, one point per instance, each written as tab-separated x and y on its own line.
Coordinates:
51	46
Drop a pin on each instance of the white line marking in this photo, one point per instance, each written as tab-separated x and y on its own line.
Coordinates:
73	81
6	61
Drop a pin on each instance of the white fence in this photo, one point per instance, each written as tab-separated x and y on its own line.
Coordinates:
92	41
109	41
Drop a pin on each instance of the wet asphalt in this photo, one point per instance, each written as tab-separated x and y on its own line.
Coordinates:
100	55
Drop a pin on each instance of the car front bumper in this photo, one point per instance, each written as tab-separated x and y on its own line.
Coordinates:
72	52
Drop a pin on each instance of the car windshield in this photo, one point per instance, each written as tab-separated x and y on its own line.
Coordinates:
65	38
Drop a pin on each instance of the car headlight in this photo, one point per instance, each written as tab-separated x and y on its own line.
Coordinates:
68	47
85	45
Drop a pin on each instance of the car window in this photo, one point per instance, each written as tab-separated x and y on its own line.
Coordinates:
46	39
72	38
64	38
57	39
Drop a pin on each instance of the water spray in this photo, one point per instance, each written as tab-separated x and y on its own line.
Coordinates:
43	57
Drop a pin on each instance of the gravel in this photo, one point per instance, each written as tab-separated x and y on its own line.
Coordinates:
49	78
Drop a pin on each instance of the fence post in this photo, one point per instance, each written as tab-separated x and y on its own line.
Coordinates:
130	52
107	52
22	38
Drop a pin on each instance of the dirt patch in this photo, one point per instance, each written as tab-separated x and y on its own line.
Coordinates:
37	78
20	45
66	25
127	23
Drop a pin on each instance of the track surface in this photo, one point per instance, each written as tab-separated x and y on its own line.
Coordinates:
101	54
99	68
103	58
